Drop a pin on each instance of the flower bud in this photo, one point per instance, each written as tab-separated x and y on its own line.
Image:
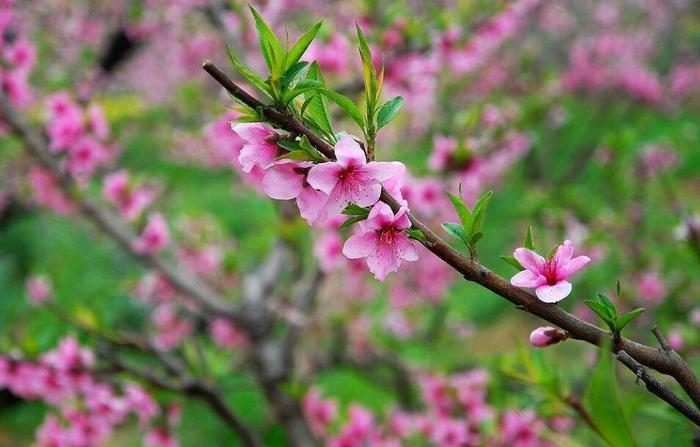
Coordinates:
547	336
39	290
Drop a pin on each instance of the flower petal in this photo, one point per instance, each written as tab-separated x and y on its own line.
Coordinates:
383	170
401	220
348	152
563	254
367	195
555	293
256	154
383	261
361	245
573	266
282	182
310	202
528	279
324	176
334	205
406	248
379	216
253	132
529	259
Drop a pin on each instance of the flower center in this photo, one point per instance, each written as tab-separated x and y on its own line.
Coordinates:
347	173
387	235
550	272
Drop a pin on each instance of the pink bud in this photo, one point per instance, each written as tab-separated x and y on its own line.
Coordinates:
675	340
547	336
39	290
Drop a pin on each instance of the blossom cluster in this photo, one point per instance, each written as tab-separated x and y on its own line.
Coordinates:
322	191
82	134
87	410
456	414
17	56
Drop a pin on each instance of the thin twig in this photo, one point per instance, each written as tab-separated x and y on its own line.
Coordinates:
471	270
249	316
658	388
575	404
662	340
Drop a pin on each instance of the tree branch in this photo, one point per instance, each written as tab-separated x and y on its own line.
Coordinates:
251	316
472	270
658	388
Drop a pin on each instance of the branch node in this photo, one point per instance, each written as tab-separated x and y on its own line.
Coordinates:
665	347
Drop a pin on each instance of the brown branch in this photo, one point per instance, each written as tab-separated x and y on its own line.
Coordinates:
658	388
111	224
251	316
575	404
472	270
186	385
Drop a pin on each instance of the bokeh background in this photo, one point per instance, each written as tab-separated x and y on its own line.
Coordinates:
582	117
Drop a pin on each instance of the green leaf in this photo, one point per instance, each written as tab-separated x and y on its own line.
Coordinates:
290	145
456	230
292	74
269	44
529	244
416	234
479	211
298	155
388	111
619	289
346	104
625	319
352	220
602	312
246	72
465	216
317	109
355	210
604	406
297	51
605	301
476	237
305	145
301	87
368	71
510	260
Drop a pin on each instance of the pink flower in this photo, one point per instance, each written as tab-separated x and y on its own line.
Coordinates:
130	201
85	156
351	178
695	316
651	287
288	180
171	329
318	411
332	56
328	249
382	241
546	336
140	402
548	276
450	433
39	289
260	148
97	122
159	437
226	334
155	236
675	339
48	192
51	433
521	429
